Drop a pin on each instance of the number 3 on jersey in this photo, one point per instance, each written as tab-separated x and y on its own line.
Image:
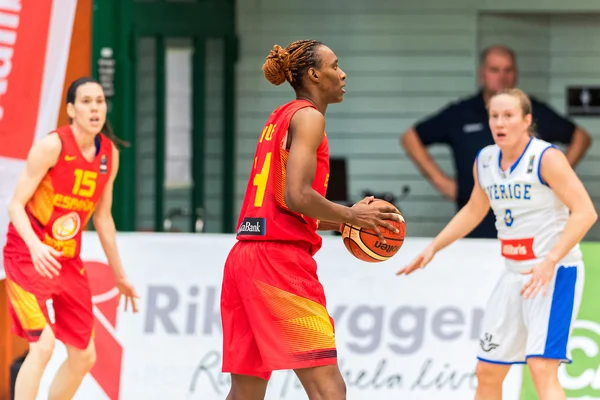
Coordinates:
508	218
260	180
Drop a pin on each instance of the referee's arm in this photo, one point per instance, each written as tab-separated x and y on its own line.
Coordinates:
580	142
433	129
555	128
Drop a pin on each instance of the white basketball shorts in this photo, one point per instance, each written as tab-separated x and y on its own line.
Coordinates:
515	328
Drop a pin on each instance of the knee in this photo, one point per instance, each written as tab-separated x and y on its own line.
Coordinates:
340	390
333	390
42	350
543	370
81	362
487	375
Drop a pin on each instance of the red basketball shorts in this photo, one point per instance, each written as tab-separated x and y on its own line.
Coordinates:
64	302
273	311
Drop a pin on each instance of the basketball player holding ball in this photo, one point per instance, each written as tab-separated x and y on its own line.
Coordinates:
272	303
542	212
69	175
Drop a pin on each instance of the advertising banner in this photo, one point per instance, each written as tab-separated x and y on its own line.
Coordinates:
581	379
404	337
34	47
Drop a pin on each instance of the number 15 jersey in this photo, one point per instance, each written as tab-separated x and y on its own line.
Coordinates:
66	197
264	214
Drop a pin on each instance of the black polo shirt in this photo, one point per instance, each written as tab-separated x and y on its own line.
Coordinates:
464	126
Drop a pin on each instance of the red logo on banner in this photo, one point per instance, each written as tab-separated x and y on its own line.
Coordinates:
23	42
109	352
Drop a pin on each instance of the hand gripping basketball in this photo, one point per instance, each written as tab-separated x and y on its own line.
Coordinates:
376	232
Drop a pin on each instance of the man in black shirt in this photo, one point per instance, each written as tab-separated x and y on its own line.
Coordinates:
463	126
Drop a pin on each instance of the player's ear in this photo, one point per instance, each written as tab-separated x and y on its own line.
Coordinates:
71	110
313	74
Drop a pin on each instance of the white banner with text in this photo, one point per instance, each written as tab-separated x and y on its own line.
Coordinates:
413	338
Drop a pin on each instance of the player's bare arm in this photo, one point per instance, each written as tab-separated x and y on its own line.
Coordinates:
307	129
463	222
329	226
107	232
564	182
467	218
332	226
42	156
567	186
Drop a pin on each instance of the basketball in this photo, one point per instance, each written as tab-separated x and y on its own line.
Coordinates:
364	243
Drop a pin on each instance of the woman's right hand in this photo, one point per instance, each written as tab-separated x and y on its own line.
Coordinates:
44	259
370	217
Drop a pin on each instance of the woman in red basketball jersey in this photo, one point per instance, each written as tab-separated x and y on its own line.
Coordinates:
273	306
68	177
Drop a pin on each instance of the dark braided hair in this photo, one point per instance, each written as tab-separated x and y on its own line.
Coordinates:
106	128
290	64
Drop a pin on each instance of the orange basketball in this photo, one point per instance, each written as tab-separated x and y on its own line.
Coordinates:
365	245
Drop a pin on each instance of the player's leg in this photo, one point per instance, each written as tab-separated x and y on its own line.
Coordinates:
32	369
72	371
246	387
490	377
550	320
74	327
544	373
30	316
289	320
241	357
503	337
322	383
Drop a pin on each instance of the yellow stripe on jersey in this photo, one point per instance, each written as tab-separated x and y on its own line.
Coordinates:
26	307
41	204
304	324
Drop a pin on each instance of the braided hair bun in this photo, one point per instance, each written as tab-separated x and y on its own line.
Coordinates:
277	66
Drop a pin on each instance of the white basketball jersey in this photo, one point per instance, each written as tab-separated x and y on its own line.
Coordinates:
529	216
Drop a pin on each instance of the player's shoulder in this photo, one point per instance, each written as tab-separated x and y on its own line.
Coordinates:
309	112
107	144
46	151
538	145
548	152
50	144
308	115
486	153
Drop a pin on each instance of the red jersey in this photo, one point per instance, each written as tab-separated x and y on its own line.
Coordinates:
264	214
66	197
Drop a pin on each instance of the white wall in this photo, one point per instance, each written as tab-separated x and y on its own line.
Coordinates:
529	37
404	61
574	61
